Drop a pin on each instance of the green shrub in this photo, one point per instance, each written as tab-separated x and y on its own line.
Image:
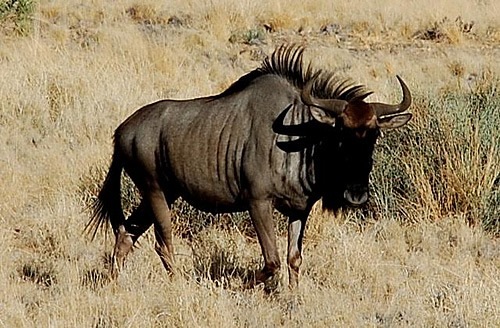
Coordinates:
446	162
17	15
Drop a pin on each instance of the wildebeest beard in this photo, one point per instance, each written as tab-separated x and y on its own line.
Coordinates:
330	187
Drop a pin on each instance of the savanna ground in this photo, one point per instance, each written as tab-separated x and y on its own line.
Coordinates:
424	253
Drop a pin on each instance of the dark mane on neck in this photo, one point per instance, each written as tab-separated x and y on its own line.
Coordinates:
287	62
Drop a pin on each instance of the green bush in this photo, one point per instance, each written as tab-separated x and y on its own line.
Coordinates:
17	15
446	162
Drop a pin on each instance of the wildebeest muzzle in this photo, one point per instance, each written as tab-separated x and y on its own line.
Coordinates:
356	195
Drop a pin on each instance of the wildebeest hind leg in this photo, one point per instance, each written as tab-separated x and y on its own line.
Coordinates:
163	228
128	233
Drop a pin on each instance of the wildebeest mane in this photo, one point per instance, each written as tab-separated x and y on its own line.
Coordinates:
287	62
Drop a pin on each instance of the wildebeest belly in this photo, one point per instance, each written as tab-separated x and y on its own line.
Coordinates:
214	206
207	192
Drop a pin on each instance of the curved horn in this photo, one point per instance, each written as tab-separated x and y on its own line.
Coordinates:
387	109
336	106
297	130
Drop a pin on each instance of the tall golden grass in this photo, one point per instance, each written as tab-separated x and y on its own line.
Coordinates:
424	253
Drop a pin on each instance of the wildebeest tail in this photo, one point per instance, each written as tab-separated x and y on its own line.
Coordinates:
107	207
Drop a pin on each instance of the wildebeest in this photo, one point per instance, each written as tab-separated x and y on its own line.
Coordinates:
284	135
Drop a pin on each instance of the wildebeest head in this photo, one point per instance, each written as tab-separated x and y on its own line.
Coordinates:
346	137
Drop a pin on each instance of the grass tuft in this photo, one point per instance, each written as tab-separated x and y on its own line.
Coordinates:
39	272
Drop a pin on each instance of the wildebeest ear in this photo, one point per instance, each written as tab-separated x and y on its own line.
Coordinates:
322	116
393	121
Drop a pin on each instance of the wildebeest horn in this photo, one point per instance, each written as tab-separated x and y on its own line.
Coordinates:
297	130
336	106
387	109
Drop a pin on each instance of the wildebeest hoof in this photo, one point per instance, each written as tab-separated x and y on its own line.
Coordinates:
272	284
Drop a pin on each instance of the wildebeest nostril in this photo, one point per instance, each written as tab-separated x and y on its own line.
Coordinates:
356	198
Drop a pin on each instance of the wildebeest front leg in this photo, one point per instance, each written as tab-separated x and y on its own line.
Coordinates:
262	218
163	228
296	229
128	233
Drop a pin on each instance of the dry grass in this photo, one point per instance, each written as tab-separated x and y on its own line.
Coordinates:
426	251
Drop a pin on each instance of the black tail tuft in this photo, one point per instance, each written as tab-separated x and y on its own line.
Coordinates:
107	207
